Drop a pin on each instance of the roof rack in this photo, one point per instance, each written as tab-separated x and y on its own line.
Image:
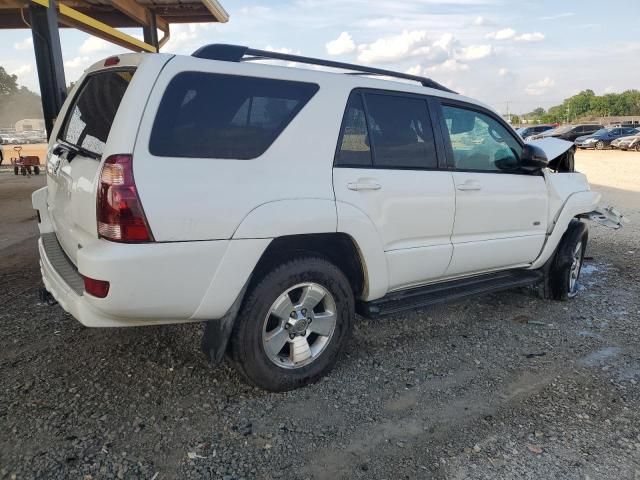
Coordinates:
239	53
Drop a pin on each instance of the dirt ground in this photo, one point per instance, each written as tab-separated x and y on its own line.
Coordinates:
505	386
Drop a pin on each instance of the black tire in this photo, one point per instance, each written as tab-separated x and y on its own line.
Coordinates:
23	171
16	170
36	170
638	147
246	347
563	263
600	145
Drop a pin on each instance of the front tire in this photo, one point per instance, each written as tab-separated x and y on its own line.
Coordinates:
293	324
567	264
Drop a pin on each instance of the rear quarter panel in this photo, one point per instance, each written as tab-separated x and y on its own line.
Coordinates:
208	198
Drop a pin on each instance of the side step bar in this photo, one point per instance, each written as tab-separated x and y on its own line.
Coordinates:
419	297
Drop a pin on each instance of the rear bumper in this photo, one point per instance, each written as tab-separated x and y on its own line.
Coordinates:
150	284
153	284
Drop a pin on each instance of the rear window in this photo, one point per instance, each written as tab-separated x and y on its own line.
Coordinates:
91	115
208	115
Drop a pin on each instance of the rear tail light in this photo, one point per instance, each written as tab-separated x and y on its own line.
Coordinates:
97	288
119	210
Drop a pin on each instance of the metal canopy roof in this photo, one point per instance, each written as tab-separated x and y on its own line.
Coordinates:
120	13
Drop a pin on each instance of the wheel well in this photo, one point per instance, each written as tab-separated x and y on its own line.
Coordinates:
339	248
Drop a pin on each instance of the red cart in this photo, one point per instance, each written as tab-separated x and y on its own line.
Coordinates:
23	164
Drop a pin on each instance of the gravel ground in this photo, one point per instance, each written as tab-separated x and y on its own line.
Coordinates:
505	386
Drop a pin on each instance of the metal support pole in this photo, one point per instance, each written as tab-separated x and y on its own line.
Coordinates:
150	30
48	52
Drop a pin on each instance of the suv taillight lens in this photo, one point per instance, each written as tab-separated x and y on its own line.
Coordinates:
119	210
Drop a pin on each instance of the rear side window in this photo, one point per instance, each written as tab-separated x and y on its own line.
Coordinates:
355	150
397	128
208	115
91	115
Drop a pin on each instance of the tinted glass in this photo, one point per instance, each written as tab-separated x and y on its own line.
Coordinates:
91	115
209	115
401	132
630	131
480	142
354	145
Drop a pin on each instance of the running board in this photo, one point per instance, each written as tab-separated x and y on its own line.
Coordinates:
419	297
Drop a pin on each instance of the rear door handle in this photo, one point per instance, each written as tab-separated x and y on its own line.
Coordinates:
363	186
469	185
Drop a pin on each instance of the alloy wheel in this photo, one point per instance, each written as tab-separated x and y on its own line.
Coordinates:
299	325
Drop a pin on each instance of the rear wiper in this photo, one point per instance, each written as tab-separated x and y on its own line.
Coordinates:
73	150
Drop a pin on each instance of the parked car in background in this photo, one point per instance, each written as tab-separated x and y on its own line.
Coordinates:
8	139
525	132
568	132
603	137
630	142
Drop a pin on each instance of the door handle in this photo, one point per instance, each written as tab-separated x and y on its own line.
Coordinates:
363	186
468	186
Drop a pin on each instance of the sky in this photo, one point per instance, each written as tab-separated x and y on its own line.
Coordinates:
513	55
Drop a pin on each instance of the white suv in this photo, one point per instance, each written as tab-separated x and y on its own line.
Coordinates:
274	202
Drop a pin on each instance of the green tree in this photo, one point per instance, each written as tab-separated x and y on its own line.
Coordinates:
16	102
8	83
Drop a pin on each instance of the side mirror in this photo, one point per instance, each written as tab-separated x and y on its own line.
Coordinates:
532	158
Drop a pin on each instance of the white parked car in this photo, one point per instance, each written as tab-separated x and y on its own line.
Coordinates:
275	202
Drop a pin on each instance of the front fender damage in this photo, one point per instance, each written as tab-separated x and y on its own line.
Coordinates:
607	216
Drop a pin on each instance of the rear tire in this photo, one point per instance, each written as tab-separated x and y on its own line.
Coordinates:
567	264
638	147
273	345
600	145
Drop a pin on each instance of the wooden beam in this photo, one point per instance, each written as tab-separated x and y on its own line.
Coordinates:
79	20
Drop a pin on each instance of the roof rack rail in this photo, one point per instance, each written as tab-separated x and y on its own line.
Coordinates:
239	53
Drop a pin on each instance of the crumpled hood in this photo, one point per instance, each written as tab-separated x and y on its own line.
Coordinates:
553	147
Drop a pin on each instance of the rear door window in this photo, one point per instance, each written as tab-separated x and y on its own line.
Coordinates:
355	149
400	131
392	132
208	115
89	119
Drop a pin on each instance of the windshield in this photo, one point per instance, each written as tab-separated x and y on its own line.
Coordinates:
91	115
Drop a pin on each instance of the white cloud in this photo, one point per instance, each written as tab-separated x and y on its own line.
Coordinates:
451	65
559	15
415	70
511	34
480	22
474	52
22	70
393	48
530	37
24	44
341	45
77	62
540	87
507	74
94	44
504	34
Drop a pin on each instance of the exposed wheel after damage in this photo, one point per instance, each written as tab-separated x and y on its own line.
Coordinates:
293	324
567	264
